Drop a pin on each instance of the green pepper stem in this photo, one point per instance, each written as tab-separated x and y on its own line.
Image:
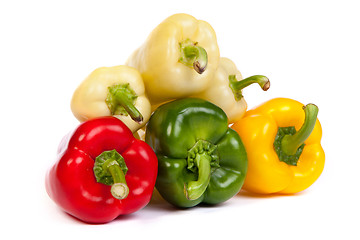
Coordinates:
238	86
119	188
193	55
195	189
291	143
120	100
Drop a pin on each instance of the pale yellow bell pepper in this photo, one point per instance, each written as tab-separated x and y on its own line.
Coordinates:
225	90
178	59
113	91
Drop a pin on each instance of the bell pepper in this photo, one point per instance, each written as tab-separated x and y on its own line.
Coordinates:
102	172
226	88
178	58
200	159
282	138
113	91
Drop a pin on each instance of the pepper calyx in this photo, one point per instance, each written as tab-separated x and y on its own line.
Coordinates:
193	55
289	143
283	157
202	160
121	101
110	169
202	147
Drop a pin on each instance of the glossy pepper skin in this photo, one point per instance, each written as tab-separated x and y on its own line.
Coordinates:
282	138
102	172
178	59
117	91
200	158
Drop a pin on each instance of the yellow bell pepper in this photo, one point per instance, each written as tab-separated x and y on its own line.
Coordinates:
178	58
282	139
225	90
117	91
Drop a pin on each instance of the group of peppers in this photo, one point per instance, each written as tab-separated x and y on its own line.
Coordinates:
174	117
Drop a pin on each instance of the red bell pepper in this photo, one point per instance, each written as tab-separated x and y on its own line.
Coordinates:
102	172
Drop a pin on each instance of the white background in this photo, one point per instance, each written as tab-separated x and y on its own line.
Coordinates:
308	49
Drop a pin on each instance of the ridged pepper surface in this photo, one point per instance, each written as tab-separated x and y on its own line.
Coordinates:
200	158
283	141
102	172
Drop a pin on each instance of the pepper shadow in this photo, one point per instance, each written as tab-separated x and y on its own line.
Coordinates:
158	203
246	194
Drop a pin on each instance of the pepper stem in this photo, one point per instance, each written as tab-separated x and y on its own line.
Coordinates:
119	189
120	101
110	169
193	55
195	189
238	86
291	143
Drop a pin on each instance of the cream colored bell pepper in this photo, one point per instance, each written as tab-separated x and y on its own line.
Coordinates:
178	59
226	88
117	91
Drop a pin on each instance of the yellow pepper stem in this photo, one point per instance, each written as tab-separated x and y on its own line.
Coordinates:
291	143
237	86
120	101
193	55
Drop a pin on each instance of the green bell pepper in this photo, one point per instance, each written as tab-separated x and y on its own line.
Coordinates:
200	159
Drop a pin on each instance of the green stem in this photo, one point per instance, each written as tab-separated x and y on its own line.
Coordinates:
291	143
110	169
119	188
120	101
195	189
193	55
238	86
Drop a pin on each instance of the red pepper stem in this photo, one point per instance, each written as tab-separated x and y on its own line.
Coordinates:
119	189
110	169
193	55
237	86
291	143
195	189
